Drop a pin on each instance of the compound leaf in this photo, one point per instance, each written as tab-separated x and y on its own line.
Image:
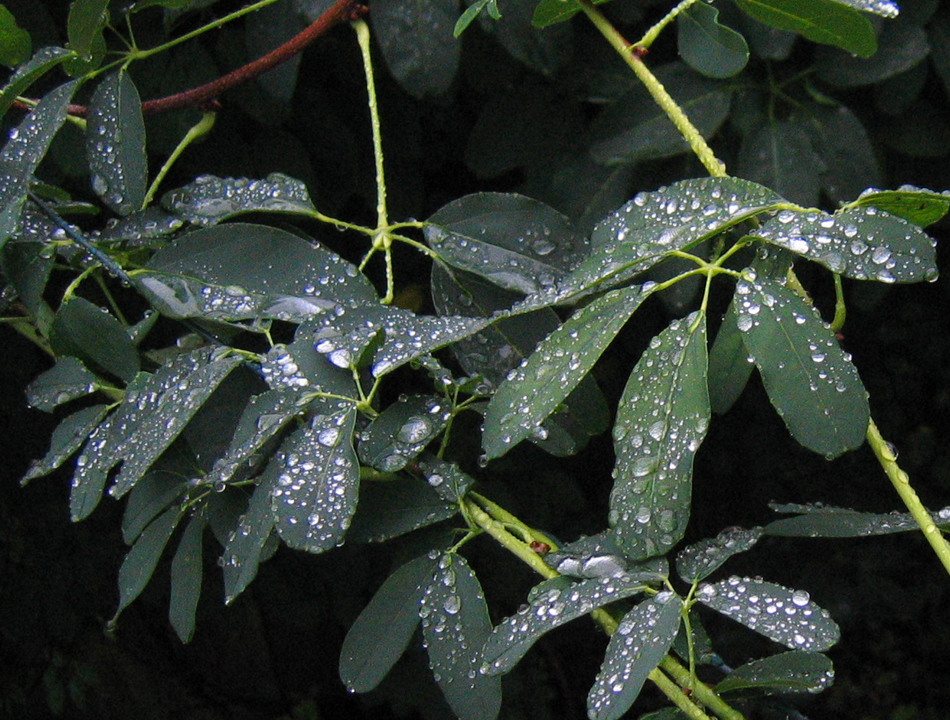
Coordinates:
661	422
381	633
788	672
643	637
187	566
455	626
821	21
809	379
408	336
780	614
707	46
699	560
209	199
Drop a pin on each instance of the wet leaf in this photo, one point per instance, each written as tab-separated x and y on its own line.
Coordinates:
661	421
27	145
643	637
515	242
390	508
383	630
780	614
67	438
449	482
826	521
550	12
551	607
67	380
780	155
150	226
919	206
543	50
348	337
88	332
245	545
455	625
27	267
788	672
402	431
409	336
822	21
298	367
884	8
542	381
809	378
599	556
167	482
729	366
115	144
707	46
209	199
43	60
186	573
317	480
699	560
87	18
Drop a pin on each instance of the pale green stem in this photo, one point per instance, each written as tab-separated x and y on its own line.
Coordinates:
702	692
651	34
841	310
901	482
202	127
674	112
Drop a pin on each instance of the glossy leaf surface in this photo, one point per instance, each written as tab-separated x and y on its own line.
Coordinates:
409	336
67	380
661	421
390	508
809	379
919	206
67	438
187	568
701	559
43	60
821	21
642	639
455	625
788	672
88	332
209	199
708	46
139	563
445	478
729	366
828	521
780	614
245	545
402	431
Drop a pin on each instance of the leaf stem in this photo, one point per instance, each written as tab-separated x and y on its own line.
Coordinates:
841	310
199	129
651	34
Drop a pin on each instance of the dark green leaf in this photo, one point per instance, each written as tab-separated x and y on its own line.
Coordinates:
43	60
548	375
821	21
317	480
187	569
92	470
417	43
472	11
825	521
15	43
809	378
209	199
140	561
550	12
901	46
729	366
297	366
402	431
455	626
884	8
148	227
919	206
383	630
67	437
88	332
699	560
245	545
27	266
858	241
780	614
449	482
707	46
551	607
543	50
642	639
788	672
347	338
87	18
67	380
938	37
408	336
780	155
661	422
636	128
167	482
390	508
27	145
513	241
115	144
599	556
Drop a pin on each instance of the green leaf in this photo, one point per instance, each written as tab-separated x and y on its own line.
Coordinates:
26	147
707	46
599	556
858	241
317	480
245	545
826	521
643	637
383	630
699	560
115	144
729	366
390	508
919	206
165	483
43	60
68	436
140	561
88	332
348	337
151	226
551	607
550	12
472	11
544	51
67	380
409	336
298	367
455	626
87	18
635	128
788	672
27	267
210	199
809	378
901	46
417	43
821	21
186	573
780	155
513	241
402	431
445	478
15	42
780	614
547	376
884	8
938	37
661	421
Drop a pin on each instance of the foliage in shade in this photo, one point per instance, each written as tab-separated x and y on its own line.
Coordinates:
788	672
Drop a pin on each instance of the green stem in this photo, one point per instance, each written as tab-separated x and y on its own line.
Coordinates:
651	34
702	692
199	129
841	310
674	112
901	482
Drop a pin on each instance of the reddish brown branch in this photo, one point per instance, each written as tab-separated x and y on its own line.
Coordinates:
340	11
